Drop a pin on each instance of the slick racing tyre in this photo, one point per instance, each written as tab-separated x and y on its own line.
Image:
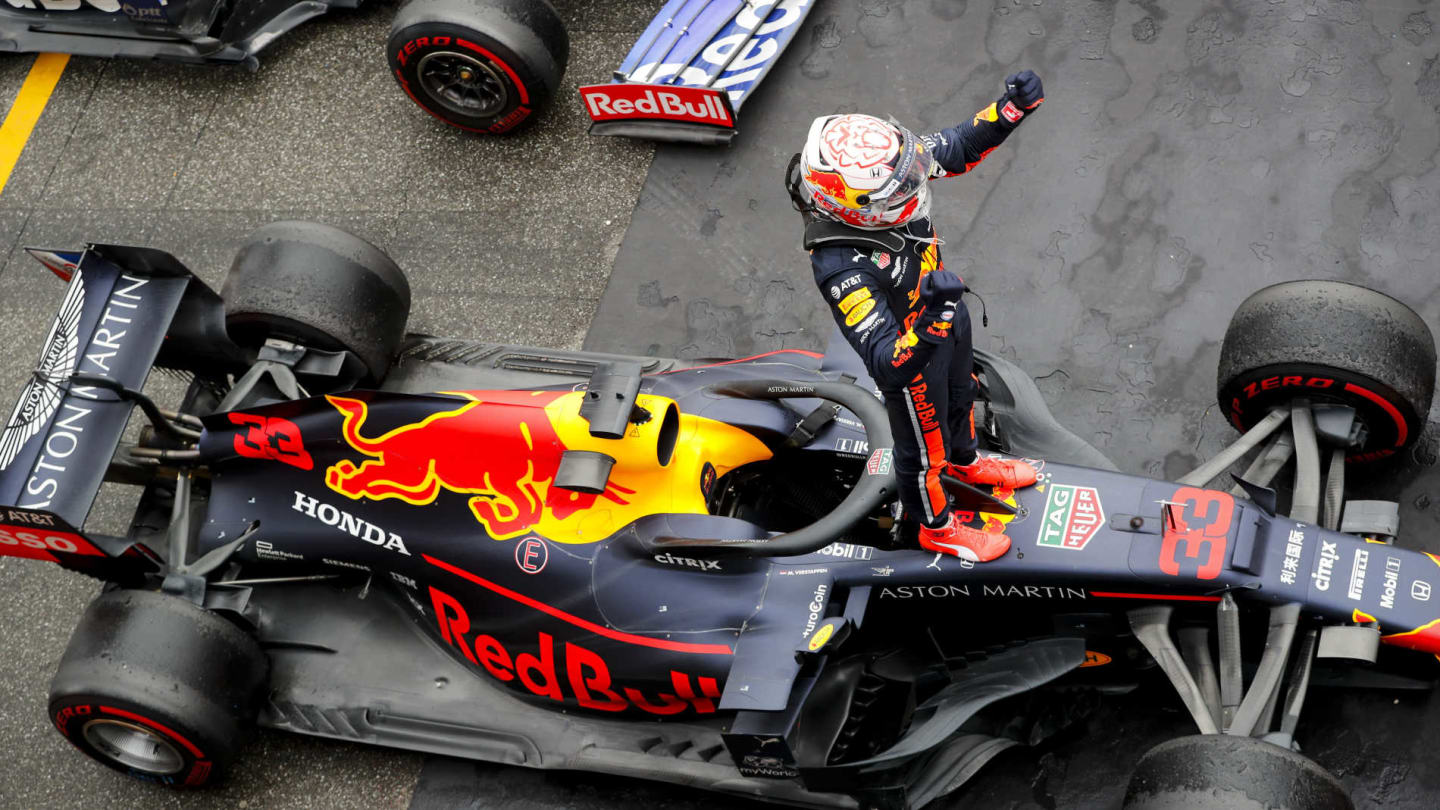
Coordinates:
157	688
480	65
1220	771
1328	341
318	286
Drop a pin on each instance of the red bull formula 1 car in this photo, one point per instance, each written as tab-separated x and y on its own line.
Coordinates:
679	571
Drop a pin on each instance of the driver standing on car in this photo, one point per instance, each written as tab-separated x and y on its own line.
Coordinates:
863	185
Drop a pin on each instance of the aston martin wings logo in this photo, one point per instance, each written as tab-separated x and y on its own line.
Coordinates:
42	395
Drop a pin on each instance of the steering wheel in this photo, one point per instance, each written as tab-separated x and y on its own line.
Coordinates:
877	484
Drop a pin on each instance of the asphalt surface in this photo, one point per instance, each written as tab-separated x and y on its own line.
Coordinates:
1184	157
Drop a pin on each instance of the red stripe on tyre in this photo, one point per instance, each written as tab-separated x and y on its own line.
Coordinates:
514	77
189	746
514	121
1402	430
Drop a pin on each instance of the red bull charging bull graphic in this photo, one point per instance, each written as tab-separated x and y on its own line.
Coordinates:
503	449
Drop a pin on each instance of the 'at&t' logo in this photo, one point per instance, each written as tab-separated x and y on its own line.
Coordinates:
1073	515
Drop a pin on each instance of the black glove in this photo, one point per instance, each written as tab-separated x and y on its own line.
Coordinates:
941	291
1024	88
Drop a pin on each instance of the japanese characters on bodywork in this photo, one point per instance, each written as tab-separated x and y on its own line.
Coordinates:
1350	578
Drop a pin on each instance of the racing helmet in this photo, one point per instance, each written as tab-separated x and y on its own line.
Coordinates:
866	172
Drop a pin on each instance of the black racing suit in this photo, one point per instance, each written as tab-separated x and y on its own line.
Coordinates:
922	364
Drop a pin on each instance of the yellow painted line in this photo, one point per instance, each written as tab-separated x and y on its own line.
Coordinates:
26	108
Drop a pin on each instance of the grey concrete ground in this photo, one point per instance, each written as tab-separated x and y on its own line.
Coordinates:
504	239
1187	153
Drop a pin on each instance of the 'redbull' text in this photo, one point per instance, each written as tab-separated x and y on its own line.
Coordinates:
587	680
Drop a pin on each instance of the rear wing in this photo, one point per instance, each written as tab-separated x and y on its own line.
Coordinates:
696	63
112	327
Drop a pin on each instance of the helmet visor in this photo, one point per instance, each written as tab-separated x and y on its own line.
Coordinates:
912	170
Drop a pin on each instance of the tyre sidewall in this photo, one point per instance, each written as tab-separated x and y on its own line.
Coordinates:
1391	421
199	756
525	87
159	662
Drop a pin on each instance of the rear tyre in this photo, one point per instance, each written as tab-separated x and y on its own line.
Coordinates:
480	65
318	286
1330	342
1220	772
157	688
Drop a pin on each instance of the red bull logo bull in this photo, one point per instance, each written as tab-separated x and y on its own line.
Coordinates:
499	447
502	450
992	522
830	183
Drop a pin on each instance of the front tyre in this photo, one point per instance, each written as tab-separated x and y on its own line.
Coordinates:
481	65
1330	342
1221	772
157	688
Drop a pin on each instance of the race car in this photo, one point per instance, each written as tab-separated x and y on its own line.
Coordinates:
687	571
481	65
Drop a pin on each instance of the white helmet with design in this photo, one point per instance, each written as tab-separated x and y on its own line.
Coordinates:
866	172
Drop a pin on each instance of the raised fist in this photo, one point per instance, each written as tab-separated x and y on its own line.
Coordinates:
1024	88
941	288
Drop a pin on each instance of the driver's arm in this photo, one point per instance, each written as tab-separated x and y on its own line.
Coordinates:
960	148
894	353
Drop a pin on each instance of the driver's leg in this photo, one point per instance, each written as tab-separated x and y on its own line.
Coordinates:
963	389
919	419
964	460
918	424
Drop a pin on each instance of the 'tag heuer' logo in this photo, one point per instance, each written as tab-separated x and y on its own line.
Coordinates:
1073	515
696	105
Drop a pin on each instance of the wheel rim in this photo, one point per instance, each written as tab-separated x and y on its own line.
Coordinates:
462	84
134	747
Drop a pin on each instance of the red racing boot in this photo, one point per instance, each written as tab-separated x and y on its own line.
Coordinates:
961	541
996	472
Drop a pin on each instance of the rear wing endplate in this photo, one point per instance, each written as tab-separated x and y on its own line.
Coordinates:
59	438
